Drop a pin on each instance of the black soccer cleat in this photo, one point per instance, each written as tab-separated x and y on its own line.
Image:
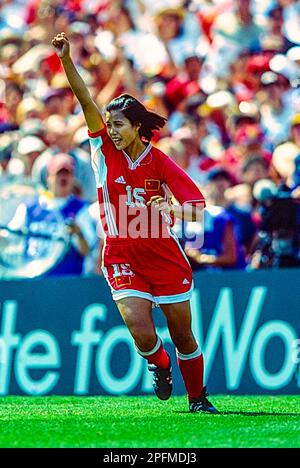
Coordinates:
162	381
201	404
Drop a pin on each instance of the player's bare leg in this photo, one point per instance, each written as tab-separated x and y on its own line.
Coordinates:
189	355
137	314
179	323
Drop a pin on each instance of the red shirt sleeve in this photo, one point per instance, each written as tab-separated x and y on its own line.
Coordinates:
101	133
179	182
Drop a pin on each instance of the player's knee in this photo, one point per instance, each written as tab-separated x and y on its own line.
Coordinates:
145	341
185	343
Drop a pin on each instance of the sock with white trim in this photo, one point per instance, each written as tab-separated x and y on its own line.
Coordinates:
191	368
157	356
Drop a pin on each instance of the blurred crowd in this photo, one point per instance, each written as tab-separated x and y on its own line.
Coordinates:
226	73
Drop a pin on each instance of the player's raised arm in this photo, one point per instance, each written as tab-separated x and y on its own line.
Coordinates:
91	112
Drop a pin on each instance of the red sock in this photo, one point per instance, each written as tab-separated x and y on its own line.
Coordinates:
158	357
192	373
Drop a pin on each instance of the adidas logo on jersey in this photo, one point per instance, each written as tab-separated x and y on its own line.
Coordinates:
120	180
185	281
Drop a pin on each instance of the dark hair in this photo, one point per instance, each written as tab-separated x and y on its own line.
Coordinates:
136	112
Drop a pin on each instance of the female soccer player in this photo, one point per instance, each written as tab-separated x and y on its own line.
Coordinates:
143	261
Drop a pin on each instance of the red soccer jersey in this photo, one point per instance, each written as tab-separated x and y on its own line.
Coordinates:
125	186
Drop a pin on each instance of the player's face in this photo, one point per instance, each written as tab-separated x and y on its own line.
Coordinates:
120	129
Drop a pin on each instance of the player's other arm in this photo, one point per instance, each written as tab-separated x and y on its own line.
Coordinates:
187	211
91	112
191	202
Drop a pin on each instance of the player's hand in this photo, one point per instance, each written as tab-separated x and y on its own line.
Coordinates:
160	204
61	45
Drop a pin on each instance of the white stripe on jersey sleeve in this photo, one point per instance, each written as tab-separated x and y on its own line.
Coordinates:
98	161
100	171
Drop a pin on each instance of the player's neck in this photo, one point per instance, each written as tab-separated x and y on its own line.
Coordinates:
135	149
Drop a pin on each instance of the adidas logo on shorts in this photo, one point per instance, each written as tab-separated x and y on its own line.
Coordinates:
185	281
120	180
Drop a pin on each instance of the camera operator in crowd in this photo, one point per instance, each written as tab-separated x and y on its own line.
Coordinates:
277	243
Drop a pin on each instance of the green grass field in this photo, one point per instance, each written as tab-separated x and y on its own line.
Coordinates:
137	422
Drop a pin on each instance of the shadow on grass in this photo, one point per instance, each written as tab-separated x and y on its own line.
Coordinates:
244	413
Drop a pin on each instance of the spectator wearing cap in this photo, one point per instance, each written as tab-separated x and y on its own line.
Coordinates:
59	199
275	109
60	175
221	248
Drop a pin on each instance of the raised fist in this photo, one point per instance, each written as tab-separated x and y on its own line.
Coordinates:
61	45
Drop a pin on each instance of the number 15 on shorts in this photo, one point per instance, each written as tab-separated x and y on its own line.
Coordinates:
122	269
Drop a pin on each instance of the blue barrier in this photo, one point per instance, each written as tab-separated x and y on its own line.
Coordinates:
65	336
